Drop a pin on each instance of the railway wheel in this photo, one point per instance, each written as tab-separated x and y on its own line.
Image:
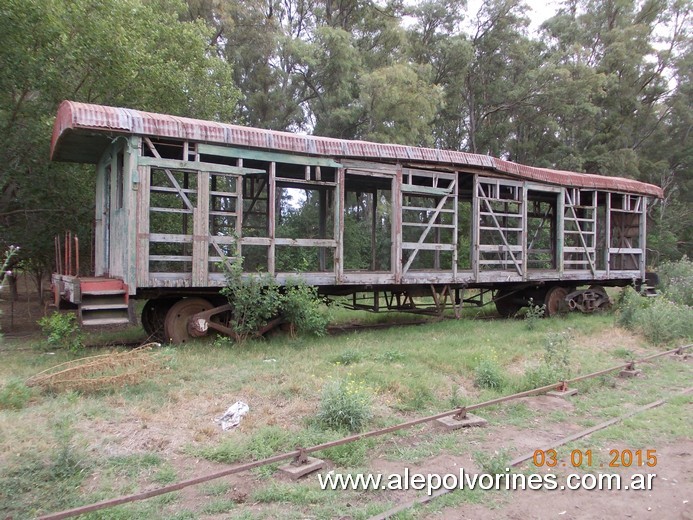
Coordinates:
176	324
154	316
506	304
555	301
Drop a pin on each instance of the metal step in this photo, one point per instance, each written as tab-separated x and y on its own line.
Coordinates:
104	292
93	322
103	306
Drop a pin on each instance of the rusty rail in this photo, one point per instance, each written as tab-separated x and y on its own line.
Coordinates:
527	456
299	451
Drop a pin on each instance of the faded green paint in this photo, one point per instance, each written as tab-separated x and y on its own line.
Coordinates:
259	155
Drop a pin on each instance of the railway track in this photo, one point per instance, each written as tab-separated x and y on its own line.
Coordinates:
301	452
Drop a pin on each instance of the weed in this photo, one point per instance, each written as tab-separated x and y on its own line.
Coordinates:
62	332
496	464
677	281
301	308
345	405
534	314
348	357
488	374
391	356
557	353
295	494
223	342
14	395
347	455
659	320
215	489
255	300
166	475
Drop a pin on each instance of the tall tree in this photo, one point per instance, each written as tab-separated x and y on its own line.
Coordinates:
131	53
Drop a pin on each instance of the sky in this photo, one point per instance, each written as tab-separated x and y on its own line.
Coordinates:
541	10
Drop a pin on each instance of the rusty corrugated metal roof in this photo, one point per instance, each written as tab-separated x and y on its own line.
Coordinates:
78	136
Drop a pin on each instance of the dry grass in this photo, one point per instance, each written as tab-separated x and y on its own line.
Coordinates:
96	373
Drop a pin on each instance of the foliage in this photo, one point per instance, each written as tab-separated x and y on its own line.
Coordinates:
97	52
347	357
62	331
255	299
14	395
534	314
345	405
496	464
489	374
555	365
659	319
676	280
300	306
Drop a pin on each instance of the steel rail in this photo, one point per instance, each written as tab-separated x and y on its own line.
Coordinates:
527	456
299	452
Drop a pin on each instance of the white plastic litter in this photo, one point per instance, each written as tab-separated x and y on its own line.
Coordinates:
232	417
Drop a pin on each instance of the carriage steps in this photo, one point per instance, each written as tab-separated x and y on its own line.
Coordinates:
104	301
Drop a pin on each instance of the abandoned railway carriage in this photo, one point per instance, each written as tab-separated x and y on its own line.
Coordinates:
381	224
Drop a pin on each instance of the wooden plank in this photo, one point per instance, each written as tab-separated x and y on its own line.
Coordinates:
175	164
255	241
415	246
643	237
505	241
425	190
455	220
171	210
431	174
170	238
171	258
370	167
142	226
523	227
423	224
499	214
625	250
200	267
166	189
498	248
271	224
338	232
304	242
397	208
261	155
476	219
288	182
418	208
513	229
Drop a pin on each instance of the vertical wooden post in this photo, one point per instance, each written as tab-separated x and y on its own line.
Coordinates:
339	225
322	225
374	222
200	245
560	230
476	222
643	229
271	224
524	196
607	234
397	224
143	226
240	185
456	224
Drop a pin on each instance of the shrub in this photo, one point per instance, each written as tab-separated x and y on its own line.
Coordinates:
496	464
659	320
62	331
300	306
534	314
348	357
488	374
676	281
255	299
345	405
14	395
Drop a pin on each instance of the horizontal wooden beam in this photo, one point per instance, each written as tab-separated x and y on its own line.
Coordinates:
175	164
261	155
427	247
411	189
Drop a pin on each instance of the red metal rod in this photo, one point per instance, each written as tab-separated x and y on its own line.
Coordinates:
76	256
